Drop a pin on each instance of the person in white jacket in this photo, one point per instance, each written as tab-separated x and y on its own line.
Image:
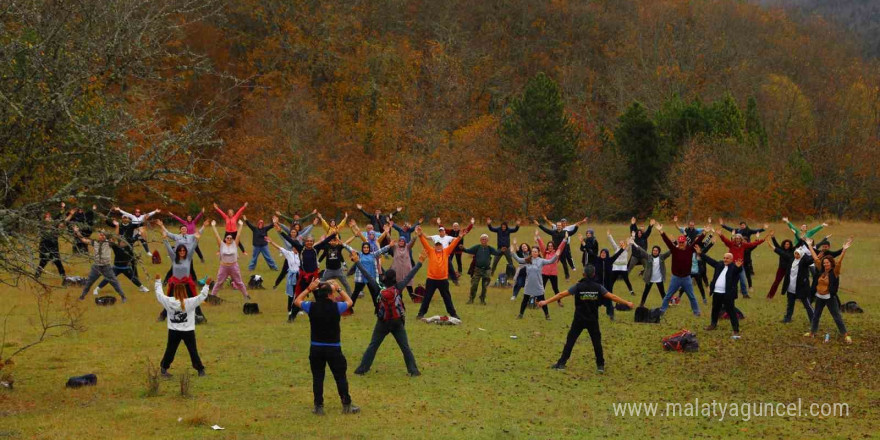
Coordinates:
181	323
620	268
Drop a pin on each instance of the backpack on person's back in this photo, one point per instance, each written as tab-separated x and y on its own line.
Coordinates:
390	305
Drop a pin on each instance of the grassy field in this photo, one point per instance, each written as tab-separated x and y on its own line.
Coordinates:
477	381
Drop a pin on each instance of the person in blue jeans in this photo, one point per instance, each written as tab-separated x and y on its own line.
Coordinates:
325	348
261	246
682	257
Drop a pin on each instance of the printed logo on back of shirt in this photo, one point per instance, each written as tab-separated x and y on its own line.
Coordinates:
589	295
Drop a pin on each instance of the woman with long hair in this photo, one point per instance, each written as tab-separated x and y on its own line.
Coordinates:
229	268
534	287
519	276
784	265
181	323
825	285
550	272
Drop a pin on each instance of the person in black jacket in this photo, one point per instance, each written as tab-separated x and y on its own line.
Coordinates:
797	280
83	221
603	275
785	259
588	296
260	231
326	350
503	233
49	252
640	235
379	220
589	247
723	288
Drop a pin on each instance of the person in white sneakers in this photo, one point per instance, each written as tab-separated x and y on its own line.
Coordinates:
181	323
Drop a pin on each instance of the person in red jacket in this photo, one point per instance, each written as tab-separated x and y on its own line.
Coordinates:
231	219
682	258
738	246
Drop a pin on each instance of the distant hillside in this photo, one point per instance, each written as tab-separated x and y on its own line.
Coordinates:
862	17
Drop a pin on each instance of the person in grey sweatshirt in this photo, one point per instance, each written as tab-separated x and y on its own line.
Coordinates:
534	287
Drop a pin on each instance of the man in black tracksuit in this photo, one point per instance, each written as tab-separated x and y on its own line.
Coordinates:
723	288
49	232
588	296
326	349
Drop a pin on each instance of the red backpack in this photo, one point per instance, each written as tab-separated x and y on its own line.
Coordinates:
157	258
390	305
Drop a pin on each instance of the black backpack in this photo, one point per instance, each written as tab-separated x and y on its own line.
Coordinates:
851	307
251	308
643	314
255	282
82	381
622	307
105	300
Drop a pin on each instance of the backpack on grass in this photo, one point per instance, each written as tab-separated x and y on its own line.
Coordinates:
156	257
648	316
105	300
418	294
681	341
251	308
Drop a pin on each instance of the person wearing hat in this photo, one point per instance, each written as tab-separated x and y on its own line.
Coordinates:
682	258
483	254
588	296
438	272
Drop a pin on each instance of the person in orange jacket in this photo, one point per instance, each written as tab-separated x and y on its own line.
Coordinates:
438	272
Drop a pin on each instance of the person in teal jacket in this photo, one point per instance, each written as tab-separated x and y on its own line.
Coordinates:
803	232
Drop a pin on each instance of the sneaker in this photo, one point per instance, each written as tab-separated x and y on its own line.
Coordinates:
95	292
557	366
519	316
202	372
291	318
165	373
350	409
704	301
360	372
470	301
144	289
547	317
600	369
513	298
847	339
318	410
416	373
736	337
785	321
300	313
709	328
808	335
124	299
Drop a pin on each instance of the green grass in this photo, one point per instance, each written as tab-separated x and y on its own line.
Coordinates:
477	382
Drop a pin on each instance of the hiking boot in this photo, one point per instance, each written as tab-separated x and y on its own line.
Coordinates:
709	328
557	366
600	369
202	372
318	410
165	373
350	409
